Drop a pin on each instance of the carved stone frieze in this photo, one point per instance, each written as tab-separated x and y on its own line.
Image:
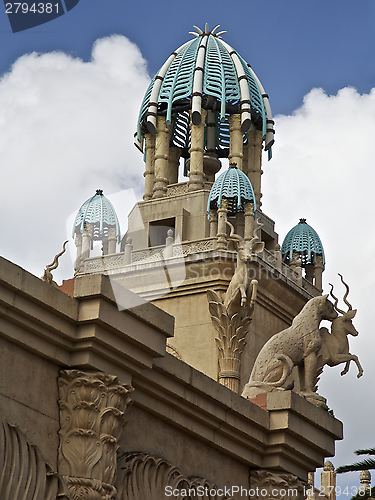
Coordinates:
24	474
149	478
273	486
92	409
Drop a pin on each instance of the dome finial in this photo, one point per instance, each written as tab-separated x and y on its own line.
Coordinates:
99	192
302	221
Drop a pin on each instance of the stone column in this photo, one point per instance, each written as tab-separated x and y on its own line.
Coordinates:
221	226
112	240
235	141
128	251
310	273
229	373
365	480
328	481
196	174
278	257
161	158
276	486
318	272
173	164
213	223
92	409
79	251
149	172
296	268
249	221
86	241
254	162
240	223
168	252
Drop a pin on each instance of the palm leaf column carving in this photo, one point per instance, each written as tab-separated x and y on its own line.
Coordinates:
232	330
92	409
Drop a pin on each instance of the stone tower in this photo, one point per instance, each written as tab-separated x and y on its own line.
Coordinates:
205	104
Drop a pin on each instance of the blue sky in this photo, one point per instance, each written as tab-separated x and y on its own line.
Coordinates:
67	121
294	45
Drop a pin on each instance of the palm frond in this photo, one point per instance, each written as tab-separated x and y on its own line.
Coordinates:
358	466
370	451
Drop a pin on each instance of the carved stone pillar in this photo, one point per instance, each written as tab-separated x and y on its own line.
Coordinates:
365	480
328	481
278	257
245	159
213	223
86	241
249	221
296	268
235	140
221	226
168	252
240	224
196	174
128	251
309	273
254	162
161	158
276	486
112	240
92	409
318	272
79	251
149	172
173	163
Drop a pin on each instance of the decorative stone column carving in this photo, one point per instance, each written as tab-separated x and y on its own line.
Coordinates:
254	162
222	226
128	251
296	267
365	480
149	172
173	162
276	486
168	252
213	223
161	158
79	251
92	409
328	481
249	221
86	241
278	257
318	266
196	174
112	240
235	140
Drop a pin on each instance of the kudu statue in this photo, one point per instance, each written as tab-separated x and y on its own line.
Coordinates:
335	345
240	289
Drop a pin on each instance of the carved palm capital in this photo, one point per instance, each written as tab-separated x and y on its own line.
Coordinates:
92	409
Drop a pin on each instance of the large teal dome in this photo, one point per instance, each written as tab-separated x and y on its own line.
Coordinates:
206	73
234	186
99	212
304	240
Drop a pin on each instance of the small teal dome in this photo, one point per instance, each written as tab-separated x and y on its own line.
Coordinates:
206	73
99	212
304	240
234	186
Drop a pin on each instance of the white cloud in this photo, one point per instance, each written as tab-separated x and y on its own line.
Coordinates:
66	129
322	169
